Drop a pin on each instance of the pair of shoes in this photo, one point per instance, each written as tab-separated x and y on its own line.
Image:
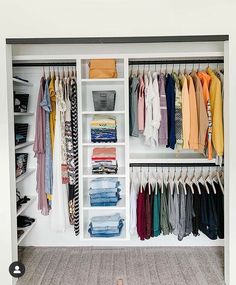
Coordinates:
19	233
24	221
20	200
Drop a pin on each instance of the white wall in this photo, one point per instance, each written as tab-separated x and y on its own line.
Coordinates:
77	18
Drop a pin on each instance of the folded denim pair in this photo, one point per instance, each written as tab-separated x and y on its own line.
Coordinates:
106	232
106	221
106	199
104	182
106	193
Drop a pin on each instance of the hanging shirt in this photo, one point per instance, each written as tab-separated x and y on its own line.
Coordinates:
141	214
53	109
148	210
202	113
156	211
39	150
46	105
193	136
148	131
182	213
134	107
141	104
164	219
163	130
170	99
59	215
156	109
173	210
196	209
205	80
189	213
178	112
185	111
217	114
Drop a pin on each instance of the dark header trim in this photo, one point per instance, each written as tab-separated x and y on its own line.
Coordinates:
118	40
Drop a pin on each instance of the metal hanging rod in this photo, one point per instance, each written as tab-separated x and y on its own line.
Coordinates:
178	164
43	64
176	61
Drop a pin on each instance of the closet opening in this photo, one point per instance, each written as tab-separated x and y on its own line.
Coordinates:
144	152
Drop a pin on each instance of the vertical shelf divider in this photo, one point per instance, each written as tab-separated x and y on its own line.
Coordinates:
80	140
126	101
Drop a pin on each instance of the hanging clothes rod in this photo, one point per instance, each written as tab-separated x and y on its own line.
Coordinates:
43	64
177	61
166	164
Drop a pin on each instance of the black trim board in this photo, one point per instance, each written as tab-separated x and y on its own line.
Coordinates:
118	40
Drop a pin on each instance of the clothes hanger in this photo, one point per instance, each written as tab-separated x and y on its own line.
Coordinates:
176	181
141	179
149	186
195	181
156	179
209	179
183	178
219	180
43	72
162	181
189	181
203	181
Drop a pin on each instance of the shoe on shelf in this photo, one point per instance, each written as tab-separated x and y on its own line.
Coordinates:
24	221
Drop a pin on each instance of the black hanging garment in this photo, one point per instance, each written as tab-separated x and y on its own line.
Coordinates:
74	125
196	209
219	205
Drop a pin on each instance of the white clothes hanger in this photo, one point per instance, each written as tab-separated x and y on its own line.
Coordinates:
189	181
203	181
195	181
210	180
220	182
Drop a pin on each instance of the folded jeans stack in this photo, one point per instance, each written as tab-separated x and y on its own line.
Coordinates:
104	160
104	191
103	129
106	226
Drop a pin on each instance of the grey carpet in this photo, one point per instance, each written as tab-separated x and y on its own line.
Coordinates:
136	266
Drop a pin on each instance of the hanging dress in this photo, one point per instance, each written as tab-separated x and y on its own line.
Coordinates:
69	154
156	118
39	150
74	125
59	216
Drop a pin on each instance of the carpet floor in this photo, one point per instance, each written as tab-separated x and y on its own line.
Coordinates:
136	266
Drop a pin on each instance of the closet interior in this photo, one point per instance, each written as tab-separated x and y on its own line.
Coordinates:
121	160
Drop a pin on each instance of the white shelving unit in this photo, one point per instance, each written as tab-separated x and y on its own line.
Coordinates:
21	82
22	145
130	150
86	112
23	114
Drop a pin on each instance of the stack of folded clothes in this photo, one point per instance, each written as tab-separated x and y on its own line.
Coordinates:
104	191
103	129
104	160
106	226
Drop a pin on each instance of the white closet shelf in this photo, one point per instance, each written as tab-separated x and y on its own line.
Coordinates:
25	175
102	112
118	143
26	230
168	157
102	80
21	82
23	114
87	173
26	205
120	205
24	144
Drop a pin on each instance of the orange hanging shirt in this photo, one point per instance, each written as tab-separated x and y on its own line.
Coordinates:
205	80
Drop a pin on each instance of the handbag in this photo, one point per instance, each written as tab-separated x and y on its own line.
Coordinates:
102	68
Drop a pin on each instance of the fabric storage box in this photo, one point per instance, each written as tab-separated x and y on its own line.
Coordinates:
104	100
102	68
21	103
21	163
20	133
